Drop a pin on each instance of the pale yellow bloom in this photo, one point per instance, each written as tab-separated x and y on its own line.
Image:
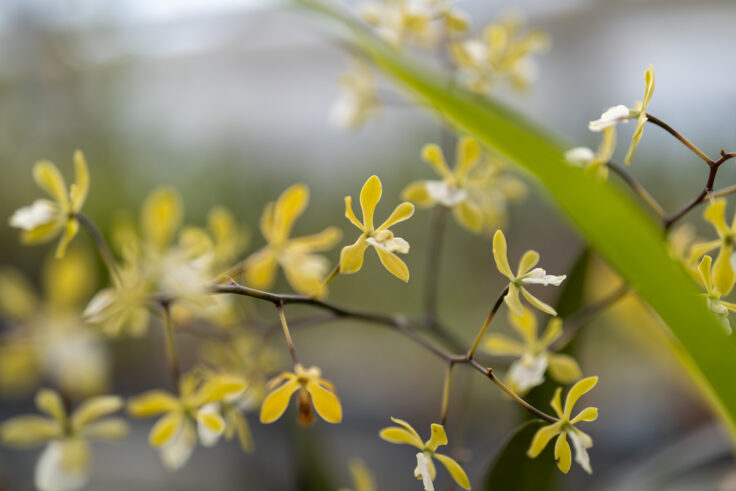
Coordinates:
723	273
621	114
304	270
357	100
193	416
566	427
313	390
713	295
595	163
425	470
381	239
46	219
534	356
66	461
502	53
492	187
525	275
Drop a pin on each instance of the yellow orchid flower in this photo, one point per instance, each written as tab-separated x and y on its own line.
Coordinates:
595	163
357	100
425	470
525	275
67	459
723	273
492	187
305	271
566	427
381	239
534	355
713	295
503	53
45	219
452	190
193	416
313	390
618	114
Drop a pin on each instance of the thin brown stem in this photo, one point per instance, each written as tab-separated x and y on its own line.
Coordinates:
471	352
682	139
101	245
333	274
287	334
638	189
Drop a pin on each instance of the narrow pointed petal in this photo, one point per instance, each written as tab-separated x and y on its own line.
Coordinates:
541	439
48	178
556	402
468	154
70	231
350	214
394	434
512	300
577	391
277	401
552	333
325	402
95	408
457	472
563	456
469	215
289	207
165	429
588	414
80	188
501	257
498	344
393	264
432	154
538	303
528	261
369	197
526	325
715	213
152	403
704	269
723	275
49	402
402	212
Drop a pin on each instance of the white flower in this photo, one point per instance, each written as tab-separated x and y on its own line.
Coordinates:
444	193
528	371
540	277
423	472
611	117
579	156
581	442
40	212
175	453
63	466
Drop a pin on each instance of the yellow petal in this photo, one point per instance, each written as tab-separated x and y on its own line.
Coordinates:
266	222
245	438
277	401
438	437
577	391
290	206
552	333
697	250
260	269
70	231
165	429
42	233
95	408
416	192
402	212
556	402
501	258
107	429
70	282
325	402
211	420
636	138
704	269
563	368
161	216
587	414
541	439
649	87
369	197
715	213
219	387
563	456
526	325
30	430
48	178
457	472
362	478
393	264
468	153
498	344
538	303
80	188
322	241
411	431
723	275
512	300
469	215
49	402
606	148
394	434
152	403
351	257
432	154
528	261
350	214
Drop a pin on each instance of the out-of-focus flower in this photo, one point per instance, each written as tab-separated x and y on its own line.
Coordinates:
48	336
313	390
357	100
362	478
46	219
525	276
194	416
66	461
534	357
421	21
679	242
304	270
595	163
381	239
493	187
618	114
502	53
713	295
425	470
723	273
566	427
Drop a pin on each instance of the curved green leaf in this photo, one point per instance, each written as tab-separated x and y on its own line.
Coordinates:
609	219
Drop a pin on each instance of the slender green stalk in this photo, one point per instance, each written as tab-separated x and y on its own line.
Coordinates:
446	393
471	352
287	334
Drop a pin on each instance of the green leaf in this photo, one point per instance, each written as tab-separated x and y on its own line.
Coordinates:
609	219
